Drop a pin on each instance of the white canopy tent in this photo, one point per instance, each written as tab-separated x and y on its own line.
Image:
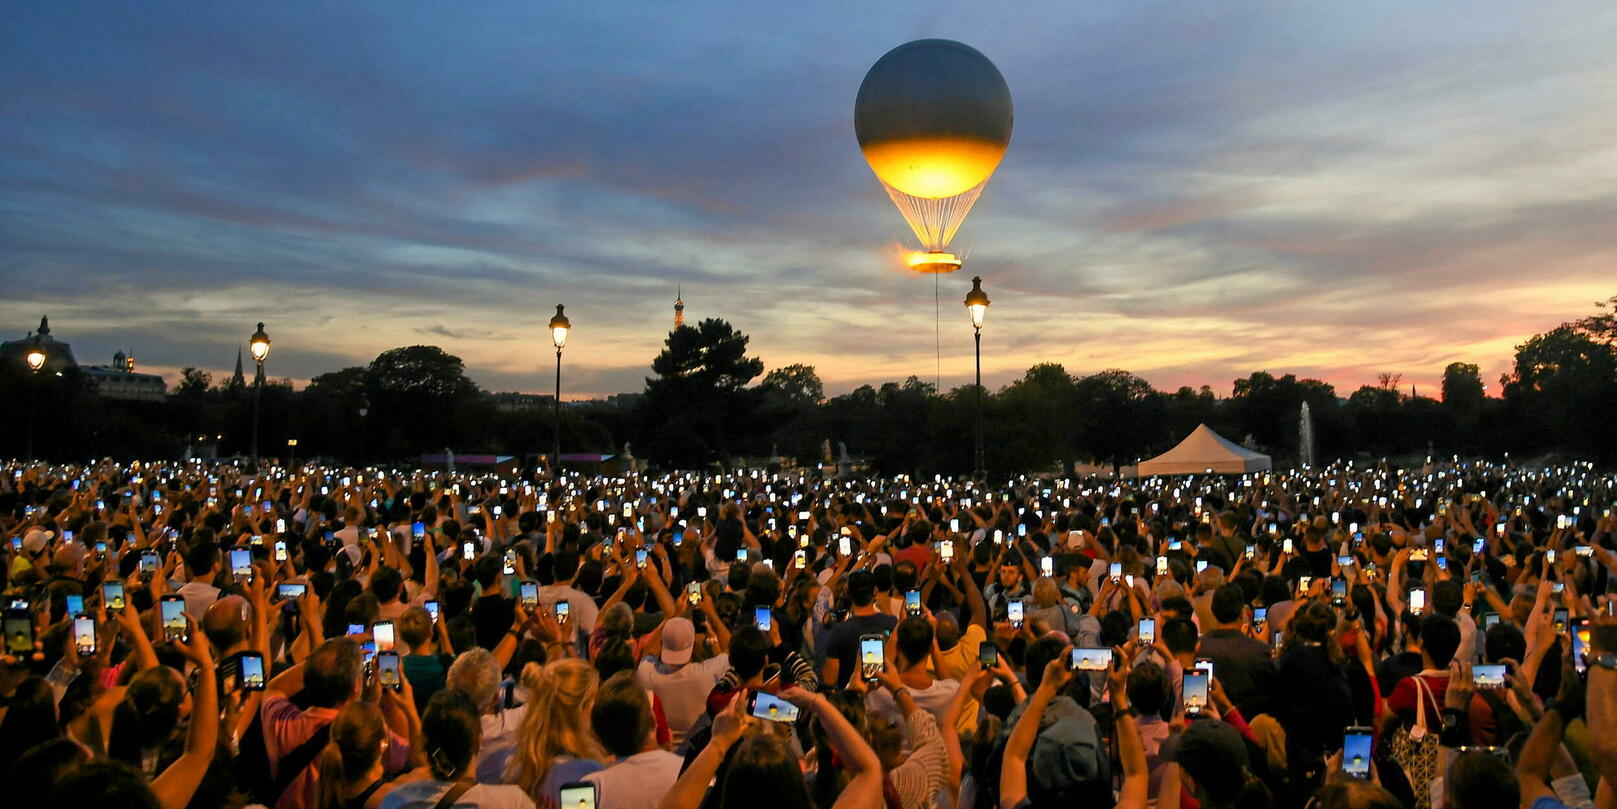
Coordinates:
1202	450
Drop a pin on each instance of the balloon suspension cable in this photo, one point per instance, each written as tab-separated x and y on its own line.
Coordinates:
935	220
937	332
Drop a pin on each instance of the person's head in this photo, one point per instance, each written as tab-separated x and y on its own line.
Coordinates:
104	782
617	621
948	630
621	716
1481	780
763	771
1439	639
147	715
201	558
562	694
386	584
861	588
914	640
1355	794
1038	655
615	655
487	570
1179	634
1045	592
223	623
1228	605
30	719
28	779
415	628
1010	572
1504	642
1313	623
1210	579
1409	622
749	652
1212	755
1447	597
451	734
354	748
1148	688
331	675
476	674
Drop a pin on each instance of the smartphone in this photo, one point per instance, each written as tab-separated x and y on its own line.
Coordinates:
1013	612
148	565
640	557
1549	556
1091	659
75	604
1204	665
356	629
988	655
19	634
112	595
563	609
768	706
288	591
1162	565
1339	592
529	594
1580	643
510	561
84	635
387	670
1148	631
173	616
845	546
418	529
1285	545
1047	566
1417	600
280	550
252	671
1356	752
382	633
912	602
241	564
1437	546
1116	571
433	609
1195	688
1560	620
872	655
701	511
577	795
1488	675
468	550
763	617
1260	616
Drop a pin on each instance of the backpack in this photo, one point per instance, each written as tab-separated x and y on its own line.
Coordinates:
253	774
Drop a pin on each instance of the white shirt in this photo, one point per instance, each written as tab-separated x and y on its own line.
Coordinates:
933	699
683	693
581	607
199	596
639	781
499	742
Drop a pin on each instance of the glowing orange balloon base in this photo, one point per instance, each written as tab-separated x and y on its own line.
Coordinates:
934	261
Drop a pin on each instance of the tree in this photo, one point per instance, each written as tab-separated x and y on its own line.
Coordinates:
1563	391
422	400
1120	415
194	383
797	383
702	374
1602	326
1463	395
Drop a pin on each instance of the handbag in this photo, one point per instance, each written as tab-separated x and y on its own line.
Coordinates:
1414	748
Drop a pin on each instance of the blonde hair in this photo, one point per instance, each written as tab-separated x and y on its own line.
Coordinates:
555	723
1046	593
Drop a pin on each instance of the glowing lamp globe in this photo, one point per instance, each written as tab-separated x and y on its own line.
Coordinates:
559	325
259	345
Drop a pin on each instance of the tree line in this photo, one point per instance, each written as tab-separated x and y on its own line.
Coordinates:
710	402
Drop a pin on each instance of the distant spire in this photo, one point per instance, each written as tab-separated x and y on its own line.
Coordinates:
236	379
679	306
45	327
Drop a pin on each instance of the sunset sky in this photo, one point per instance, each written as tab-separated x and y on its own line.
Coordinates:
1193	191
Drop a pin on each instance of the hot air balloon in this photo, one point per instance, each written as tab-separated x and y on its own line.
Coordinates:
933	118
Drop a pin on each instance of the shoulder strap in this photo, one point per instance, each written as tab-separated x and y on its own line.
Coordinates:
454	794
297	760
1422	694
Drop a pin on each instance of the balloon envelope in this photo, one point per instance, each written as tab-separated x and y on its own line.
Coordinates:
933	118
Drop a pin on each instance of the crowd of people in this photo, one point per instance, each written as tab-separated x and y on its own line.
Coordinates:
196	635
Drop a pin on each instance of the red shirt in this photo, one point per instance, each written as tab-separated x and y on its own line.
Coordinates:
1402	701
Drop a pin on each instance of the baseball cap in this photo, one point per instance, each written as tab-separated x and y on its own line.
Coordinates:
1213	752
36	540
679	635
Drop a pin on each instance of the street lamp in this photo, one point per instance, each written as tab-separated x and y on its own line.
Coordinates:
559	326
292	451
977	304
36	360
259	344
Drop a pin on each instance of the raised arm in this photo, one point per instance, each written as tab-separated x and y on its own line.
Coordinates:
179	781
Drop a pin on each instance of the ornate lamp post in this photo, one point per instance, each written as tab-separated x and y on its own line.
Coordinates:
559	326
36	360
260	346
977	304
